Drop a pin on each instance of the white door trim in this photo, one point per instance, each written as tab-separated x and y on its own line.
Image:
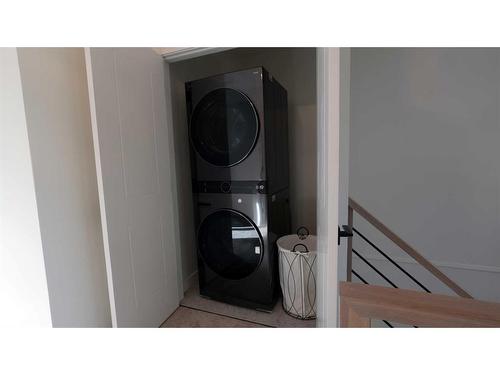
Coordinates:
328	96
184	53
345	93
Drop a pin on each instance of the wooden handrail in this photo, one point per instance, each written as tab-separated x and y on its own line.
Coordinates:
407	248
360	303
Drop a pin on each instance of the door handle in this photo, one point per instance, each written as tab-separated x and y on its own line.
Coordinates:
345	232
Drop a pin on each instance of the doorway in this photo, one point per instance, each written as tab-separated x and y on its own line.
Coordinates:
294	69
303	71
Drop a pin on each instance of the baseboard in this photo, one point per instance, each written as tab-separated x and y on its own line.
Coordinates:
190	281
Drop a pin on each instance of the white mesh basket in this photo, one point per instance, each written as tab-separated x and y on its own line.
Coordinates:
297	271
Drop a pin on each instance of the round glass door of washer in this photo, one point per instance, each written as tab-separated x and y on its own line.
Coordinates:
224	127
230	244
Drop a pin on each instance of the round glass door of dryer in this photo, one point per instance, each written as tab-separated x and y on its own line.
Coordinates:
224	127
230	244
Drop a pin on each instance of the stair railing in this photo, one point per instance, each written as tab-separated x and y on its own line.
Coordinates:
403	245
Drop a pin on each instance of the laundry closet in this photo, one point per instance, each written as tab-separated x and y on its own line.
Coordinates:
292	69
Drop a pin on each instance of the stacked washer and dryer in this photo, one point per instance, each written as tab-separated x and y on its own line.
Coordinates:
238	126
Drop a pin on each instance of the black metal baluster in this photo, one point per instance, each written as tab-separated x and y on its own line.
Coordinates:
392	261
375	269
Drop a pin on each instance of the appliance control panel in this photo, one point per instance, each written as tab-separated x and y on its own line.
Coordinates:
230	187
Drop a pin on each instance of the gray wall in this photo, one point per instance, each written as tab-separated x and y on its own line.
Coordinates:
58	118
425	157
23	285
295	69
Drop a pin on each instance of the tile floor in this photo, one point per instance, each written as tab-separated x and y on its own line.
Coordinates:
196	311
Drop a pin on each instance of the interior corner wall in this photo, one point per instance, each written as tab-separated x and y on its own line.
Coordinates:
295	69
57	109
23	284
424	159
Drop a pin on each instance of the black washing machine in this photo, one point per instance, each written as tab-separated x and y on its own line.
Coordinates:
238	127
237	254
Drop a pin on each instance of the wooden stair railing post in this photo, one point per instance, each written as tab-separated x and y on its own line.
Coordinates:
349	318
350	214
403	245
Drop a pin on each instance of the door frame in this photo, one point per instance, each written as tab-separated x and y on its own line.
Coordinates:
328	132
175	54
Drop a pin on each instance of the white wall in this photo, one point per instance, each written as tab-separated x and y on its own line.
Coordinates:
58	118
424	157
23	286
295	69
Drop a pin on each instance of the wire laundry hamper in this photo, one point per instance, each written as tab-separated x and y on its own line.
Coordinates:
297	271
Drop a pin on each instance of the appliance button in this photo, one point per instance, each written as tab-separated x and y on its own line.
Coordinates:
225	187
